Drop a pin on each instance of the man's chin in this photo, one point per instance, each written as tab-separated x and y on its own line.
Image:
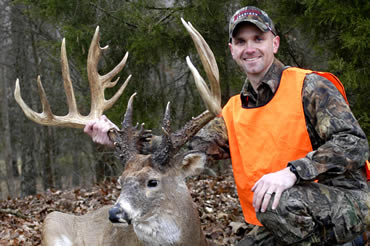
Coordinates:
252	70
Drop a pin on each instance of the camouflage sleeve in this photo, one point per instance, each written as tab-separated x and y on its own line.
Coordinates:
338	141
212	139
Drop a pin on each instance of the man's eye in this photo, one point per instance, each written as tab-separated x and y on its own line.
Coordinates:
259	39
152	183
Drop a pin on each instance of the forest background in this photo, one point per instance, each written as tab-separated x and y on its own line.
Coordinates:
317	34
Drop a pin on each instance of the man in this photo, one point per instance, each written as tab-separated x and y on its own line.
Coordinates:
297	151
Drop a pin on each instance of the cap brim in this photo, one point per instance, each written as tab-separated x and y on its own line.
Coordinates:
258	24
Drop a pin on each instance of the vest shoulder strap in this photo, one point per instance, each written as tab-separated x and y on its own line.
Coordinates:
329	76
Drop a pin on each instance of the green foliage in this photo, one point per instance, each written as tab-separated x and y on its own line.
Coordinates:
156	40
338	35
318	34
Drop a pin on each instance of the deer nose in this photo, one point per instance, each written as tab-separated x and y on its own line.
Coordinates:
117	215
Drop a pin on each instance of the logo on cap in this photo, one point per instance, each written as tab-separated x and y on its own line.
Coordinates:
253	15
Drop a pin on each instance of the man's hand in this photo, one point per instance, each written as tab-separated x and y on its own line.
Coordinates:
269	184
98	129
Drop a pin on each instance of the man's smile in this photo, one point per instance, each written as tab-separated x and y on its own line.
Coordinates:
251	59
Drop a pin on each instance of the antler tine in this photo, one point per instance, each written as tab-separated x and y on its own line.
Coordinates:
45	115
127	119
68	88
166	124
98	82
165	151
211	98
126	140
212	104
97	86
44	101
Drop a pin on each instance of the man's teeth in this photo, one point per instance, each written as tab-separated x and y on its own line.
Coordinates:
251	59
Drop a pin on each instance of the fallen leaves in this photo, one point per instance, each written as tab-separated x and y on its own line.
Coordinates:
218	207
216	199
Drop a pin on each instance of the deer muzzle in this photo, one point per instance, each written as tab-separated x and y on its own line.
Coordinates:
118	215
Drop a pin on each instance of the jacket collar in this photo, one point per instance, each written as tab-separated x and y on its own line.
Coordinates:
271	79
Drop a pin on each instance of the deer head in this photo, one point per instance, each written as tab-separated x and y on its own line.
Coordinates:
155	206
154	197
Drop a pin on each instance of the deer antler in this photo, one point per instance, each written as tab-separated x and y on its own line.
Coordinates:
98	83
172	142
211	98
128	139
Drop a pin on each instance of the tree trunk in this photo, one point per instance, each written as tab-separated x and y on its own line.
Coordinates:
103	166
6	132
29	177
57	173
47	176
99	165
4	92
29	140
76	177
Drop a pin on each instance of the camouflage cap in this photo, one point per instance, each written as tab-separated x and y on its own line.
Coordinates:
253	15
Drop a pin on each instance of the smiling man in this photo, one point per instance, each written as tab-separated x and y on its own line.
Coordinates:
253	50
288	128
298	153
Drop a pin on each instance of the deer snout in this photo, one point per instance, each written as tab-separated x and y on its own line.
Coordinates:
118	215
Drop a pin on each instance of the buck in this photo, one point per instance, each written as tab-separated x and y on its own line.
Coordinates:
154	206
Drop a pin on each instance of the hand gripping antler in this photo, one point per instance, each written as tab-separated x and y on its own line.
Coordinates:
98	83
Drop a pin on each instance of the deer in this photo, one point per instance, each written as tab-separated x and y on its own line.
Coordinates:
154	206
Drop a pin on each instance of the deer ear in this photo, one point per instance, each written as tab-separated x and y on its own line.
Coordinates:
193	163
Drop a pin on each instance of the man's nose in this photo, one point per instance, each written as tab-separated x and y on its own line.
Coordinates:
249	47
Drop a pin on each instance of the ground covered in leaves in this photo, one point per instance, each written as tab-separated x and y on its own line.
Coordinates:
219	209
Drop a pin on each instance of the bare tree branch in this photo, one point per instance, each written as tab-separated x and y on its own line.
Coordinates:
114	17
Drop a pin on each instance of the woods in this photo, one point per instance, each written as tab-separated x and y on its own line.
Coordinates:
44	169
33	158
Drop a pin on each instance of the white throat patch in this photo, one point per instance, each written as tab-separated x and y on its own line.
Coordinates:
158	230
63	241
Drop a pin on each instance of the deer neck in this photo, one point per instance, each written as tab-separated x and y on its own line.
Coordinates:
165	224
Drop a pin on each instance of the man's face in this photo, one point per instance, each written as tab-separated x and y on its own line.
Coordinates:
253	50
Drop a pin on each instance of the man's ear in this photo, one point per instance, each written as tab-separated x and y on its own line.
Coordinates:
193	163
231	49
276	44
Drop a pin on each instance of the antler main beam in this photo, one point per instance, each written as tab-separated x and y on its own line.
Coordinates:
211	97
98	83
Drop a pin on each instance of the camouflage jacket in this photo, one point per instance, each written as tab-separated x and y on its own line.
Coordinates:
340	147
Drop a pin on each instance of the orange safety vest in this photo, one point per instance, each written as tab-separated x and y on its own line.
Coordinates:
264	139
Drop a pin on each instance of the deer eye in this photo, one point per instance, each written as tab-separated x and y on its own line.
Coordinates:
152	183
